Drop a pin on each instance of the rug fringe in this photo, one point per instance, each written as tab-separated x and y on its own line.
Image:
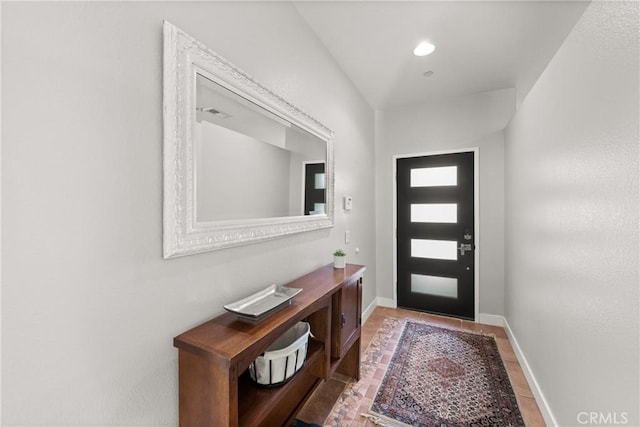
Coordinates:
454	328
382	421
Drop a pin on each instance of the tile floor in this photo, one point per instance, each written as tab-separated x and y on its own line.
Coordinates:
321	403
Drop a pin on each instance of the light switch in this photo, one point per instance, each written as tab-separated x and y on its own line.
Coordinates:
347	236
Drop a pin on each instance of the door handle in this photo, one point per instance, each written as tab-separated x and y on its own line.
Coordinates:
465	247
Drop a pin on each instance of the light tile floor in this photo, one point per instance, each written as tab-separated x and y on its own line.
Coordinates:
322	401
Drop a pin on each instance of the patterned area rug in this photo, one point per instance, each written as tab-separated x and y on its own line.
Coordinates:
444	377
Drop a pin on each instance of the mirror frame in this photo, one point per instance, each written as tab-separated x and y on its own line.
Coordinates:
184	57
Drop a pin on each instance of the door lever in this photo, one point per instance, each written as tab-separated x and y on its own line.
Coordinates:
465	247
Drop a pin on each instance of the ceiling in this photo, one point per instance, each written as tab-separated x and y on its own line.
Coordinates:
480	45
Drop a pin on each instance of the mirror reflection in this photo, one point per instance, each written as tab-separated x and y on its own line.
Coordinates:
251	163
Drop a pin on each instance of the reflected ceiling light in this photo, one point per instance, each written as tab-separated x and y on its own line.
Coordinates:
423	49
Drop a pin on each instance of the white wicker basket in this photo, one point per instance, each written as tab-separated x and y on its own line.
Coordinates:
282	359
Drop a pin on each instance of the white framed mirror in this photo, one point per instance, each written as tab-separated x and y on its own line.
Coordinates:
241	164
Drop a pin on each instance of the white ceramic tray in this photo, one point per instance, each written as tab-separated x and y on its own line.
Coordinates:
263	303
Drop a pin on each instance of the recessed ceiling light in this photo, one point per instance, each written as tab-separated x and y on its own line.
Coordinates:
423	49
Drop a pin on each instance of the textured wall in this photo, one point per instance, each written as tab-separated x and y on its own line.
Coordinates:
89	307
572	221
448	124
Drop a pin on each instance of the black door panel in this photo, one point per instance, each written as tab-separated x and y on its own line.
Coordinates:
444	286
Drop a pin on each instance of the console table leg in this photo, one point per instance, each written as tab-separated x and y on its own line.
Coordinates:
208	393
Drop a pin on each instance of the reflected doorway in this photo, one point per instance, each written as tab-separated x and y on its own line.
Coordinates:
315	185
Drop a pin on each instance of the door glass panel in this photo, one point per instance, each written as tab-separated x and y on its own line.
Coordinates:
434	285
434	177
435	212
320	182
318	208
435	249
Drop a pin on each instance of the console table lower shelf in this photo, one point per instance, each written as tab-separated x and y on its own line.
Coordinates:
214	386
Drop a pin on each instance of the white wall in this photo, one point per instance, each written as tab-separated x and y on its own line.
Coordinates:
238	176
448	124
572	221
89	307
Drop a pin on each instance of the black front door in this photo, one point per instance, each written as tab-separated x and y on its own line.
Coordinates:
435	235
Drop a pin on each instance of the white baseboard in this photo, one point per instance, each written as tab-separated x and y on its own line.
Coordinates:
367	311
528	373
491	319
383	302
386	302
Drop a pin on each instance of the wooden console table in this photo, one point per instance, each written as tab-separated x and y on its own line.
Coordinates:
215	389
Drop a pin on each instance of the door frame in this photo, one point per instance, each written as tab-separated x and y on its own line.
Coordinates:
476	219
